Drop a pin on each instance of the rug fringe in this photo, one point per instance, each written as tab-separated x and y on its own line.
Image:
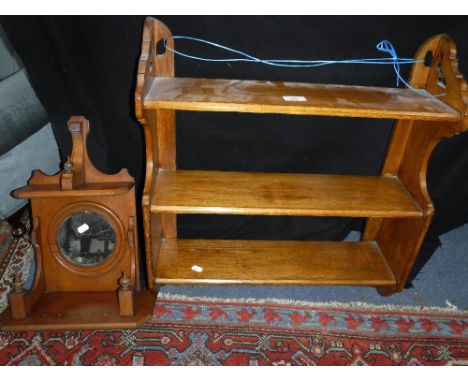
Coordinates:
332	304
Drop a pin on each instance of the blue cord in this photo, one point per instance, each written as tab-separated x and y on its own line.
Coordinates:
283	63
387	47
384	46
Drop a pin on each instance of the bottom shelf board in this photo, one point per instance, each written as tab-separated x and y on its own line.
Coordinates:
74	310
259	262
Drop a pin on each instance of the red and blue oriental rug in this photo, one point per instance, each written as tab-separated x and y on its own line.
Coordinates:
188	331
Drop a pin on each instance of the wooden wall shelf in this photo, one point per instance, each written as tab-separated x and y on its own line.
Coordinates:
396	204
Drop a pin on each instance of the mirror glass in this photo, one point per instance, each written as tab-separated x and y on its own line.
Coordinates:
86	238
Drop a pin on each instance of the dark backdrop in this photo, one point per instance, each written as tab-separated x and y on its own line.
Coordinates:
86	66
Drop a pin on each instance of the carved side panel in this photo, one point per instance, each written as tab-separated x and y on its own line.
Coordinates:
159	131
410	148
442	76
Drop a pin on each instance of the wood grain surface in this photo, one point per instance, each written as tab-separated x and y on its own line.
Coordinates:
201	94
74	311
220	192
256	262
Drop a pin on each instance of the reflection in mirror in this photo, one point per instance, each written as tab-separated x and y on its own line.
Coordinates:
86	238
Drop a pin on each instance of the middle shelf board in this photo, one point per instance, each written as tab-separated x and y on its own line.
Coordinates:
202	94
260	262
253	193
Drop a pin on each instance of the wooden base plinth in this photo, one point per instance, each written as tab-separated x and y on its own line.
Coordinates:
74	311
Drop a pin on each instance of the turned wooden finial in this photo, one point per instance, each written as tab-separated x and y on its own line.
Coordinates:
16	299
66	179
124	282
68	166
17	285
126	303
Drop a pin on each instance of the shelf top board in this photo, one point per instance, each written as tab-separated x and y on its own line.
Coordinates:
255	193
201	94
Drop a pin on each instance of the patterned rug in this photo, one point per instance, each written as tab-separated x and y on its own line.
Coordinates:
16	258
188	331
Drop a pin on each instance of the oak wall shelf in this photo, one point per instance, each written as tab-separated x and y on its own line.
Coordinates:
396	203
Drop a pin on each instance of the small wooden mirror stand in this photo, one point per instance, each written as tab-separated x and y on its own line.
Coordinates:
85	237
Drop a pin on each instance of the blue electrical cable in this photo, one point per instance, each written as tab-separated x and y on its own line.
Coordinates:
384	46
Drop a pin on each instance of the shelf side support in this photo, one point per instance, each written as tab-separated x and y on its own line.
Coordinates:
409	151
159	131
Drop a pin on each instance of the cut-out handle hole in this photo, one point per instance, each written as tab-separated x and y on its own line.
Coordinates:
161	47
440	76
428	59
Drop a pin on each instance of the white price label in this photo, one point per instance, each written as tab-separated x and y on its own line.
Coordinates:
295	98
82	228
196	268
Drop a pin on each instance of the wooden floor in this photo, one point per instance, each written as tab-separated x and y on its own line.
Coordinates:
220	192
259	262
